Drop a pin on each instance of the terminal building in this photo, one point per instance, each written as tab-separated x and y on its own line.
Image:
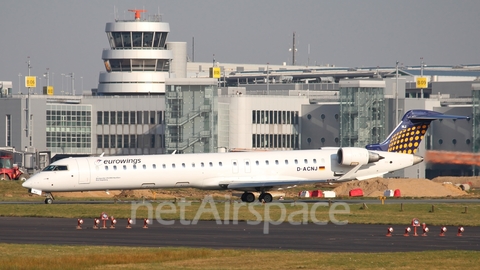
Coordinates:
151	100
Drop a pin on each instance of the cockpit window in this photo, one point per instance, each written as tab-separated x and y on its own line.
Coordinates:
56	168
49	168
62	168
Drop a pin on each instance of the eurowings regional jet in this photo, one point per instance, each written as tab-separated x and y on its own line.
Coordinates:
242	171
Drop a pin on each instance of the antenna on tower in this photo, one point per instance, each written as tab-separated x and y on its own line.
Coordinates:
308	60
137	13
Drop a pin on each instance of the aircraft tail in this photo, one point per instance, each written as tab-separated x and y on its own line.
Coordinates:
406	137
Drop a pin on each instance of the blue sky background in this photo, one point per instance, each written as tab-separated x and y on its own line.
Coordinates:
69	36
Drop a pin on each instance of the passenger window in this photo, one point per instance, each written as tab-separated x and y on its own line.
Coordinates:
106	168
154	166
173	165
193	165
211	164
247	163
234	163
124	167
256	162
164	166
115	167
266	162
134	166
286	161
314	161
276	162
183	165
202	164
220	164
144	166
296	161
306	161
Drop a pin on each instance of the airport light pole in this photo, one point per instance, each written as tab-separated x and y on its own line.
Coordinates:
268	80
422	64
72	75
28	116
73	83
396	93
63	75
19	83
47	76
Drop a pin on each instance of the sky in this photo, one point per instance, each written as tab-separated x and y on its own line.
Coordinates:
68	36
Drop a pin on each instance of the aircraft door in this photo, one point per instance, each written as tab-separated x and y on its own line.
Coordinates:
83	171
234	166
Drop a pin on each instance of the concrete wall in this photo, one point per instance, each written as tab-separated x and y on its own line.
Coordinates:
320	126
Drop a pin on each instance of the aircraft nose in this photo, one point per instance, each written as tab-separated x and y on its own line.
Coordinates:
417	159
27	184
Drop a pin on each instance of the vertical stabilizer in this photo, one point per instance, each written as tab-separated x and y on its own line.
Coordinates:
408	135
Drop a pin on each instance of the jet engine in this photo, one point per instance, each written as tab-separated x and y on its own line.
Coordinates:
353	156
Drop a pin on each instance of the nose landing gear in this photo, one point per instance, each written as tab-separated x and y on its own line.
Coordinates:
49	199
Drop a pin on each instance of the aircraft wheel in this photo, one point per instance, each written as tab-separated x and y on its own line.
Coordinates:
249	197
260	197
267	197
4	177
48	201
243	197
23	177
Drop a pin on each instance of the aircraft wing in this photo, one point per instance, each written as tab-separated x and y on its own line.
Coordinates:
256	185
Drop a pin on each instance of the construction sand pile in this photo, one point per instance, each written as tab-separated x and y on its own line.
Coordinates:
473	181
408	188
164	194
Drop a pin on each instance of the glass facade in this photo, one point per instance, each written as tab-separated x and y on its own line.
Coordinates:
69	128
476	120
276	120
8	130
151	141
129	65
191	119
362	120
137	40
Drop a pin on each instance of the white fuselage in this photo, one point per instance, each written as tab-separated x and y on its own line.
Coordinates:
207	171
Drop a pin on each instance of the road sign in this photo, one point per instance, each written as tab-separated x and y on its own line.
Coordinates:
30	81
422	82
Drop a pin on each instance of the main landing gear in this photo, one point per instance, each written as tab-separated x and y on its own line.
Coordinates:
49	199
250	197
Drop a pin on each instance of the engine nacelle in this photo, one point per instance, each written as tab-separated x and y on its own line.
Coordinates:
353	156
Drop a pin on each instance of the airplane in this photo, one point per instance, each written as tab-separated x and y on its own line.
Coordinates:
241	171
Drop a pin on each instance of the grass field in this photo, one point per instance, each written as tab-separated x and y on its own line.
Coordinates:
443	214
53	257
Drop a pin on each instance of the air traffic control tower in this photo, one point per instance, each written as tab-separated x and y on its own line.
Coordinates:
138	60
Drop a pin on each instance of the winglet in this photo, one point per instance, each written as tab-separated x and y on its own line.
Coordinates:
409	133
